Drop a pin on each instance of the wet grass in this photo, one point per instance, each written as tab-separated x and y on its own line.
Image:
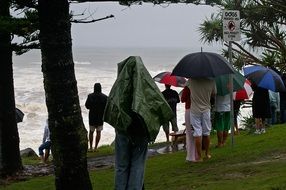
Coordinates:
252	162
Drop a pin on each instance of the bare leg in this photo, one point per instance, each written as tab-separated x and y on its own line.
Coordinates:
206	142
47	154
219	139
167	136
225	135
97	139
258	123
90	136
174	124
42	158
236	129
198	143
166	130
263	125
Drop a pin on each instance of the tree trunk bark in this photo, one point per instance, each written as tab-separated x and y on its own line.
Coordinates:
10	160
68	134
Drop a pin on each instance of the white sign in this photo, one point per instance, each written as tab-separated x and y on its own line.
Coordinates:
231	25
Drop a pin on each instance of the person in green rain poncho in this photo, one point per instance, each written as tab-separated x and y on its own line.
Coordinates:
136	109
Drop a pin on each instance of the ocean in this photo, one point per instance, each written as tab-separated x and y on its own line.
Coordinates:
92	64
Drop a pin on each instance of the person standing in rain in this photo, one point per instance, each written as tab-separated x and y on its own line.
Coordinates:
260	108
222	118
282	96
46	144
96	103
274	106
172	97
190	145
236	112
201	91
136	109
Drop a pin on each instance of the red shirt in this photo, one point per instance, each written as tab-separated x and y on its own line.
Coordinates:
186	97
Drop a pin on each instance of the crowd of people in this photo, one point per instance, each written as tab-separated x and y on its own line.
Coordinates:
137	109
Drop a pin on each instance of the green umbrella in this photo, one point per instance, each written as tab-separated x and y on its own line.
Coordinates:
222	83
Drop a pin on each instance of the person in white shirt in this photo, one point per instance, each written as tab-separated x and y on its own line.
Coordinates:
222	118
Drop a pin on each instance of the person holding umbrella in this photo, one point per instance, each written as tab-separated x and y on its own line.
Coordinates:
262	79
260	108
202	90
202	67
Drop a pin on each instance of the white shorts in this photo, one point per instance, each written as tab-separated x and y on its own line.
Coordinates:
98	128
201	123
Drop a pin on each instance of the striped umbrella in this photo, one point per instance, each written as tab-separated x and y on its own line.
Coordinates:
167	78
244	93
264	77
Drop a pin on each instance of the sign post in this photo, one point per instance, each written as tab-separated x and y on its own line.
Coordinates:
231	25
231	32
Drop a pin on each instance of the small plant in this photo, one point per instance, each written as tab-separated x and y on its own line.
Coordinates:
248	123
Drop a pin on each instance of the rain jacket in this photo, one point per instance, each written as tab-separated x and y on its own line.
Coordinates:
134	91
96	102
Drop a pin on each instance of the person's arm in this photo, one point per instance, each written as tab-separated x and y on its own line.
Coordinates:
278	102
214	91
213	95
177	97
184	95
87	103
45	134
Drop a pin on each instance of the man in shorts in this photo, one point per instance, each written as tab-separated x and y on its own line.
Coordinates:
222	118
96	103
201	91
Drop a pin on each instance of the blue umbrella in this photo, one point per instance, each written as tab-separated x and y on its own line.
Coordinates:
264	77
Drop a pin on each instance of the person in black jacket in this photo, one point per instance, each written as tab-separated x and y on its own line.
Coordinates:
96	103
283	102
172	97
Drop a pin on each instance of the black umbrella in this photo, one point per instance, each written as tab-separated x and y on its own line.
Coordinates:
19	115
202	64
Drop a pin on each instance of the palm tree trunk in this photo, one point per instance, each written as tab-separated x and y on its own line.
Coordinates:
68	134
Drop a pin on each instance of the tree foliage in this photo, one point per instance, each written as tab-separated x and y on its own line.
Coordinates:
262	27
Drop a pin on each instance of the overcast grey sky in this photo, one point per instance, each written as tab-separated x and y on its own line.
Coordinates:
174	25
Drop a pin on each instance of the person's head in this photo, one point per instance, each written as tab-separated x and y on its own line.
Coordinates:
167	86
97	87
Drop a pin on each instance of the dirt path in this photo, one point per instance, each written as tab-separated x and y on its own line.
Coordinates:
100	162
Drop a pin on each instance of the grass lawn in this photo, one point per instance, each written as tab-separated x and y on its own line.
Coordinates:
253	162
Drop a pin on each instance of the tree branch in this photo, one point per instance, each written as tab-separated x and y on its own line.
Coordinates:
91	21
155	2
245	53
